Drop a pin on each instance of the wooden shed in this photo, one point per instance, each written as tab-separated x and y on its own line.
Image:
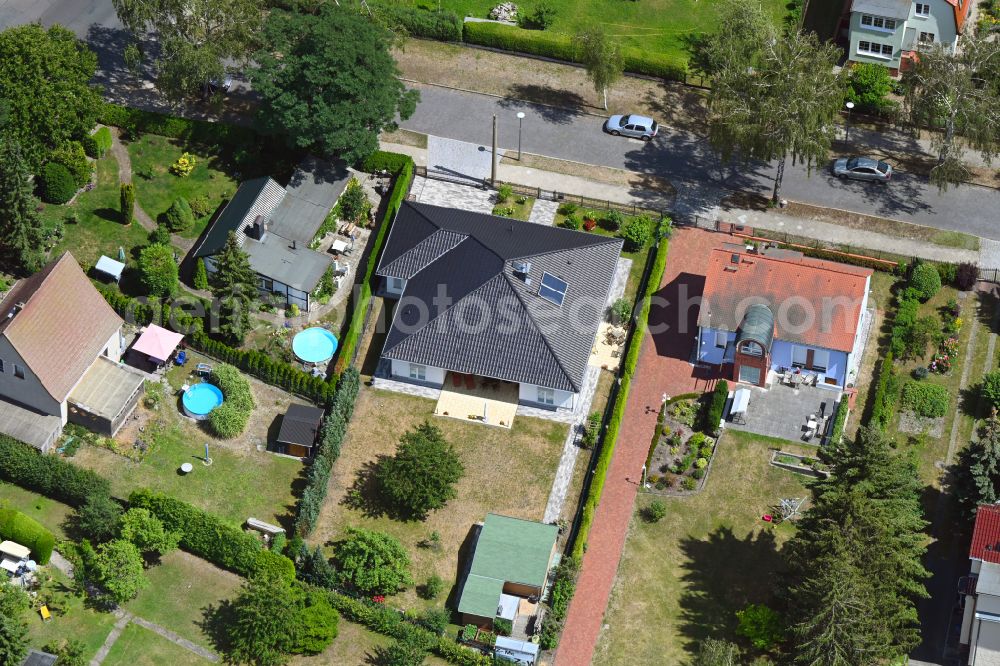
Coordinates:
299	429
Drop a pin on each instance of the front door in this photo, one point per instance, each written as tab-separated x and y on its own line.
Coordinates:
750	374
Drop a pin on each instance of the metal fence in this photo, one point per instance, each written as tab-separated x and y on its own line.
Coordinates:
989	274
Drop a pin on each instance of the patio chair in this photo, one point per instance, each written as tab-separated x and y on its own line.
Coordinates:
181	358
203	369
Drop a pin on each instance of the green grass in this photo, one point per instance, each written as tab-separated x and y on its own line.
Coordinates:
522	211
355	646
86	625
99	230
182	588
708	558
654	25
138	646
210	179
955	239
50	513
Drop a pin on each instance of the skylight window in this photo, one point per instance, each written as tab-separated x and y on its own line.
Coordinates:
552	289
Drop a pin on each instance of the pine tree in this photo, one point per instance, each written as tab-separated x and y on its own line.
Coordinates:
126	200
234	283
978	470
20	226
200	275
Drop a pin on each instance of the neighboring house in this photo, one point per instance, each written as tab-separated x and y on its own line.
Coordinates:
275	226
980	632
892	32
495	297
508	573
60	346
778	310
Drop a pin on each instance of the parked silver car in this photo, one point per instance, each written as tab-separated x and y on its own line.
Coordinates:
637	127
862	168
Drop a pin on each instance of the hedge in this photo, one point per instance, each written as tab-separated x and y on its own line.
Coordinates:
229	419
713	415
25	530
402	166
444	26
25	466
203	534
562	47
881	407
839	420
327	451
614	424
137	121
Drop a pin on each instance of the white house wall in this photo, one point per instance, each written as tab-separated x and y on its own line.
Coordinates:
433	376
28	391
562	399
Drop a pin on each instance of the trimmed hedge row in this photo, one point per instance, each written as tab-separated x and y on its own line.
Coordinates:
839	421
444	26
402	167
884	400
563	47
203	534
614	424
328	450
25	466
713	415
137	121
28	532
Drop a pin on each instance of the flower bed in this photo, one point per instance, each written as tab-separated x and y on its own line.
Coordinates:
793	462
680	456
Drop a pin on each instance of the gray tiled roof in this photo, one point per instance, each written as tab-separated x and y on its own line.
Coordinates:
310	195
496	324
254	197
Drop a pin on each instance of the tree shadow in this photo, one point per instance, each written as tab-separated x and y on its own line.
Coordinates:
214	621
109	214
551	105
365	496
724	574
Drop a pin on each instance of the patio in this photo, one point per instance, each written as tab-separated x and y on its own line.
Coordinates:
472	398
608	346
782	411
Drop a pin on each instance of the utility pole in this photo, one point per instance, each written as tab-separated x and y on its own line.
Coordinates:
493	164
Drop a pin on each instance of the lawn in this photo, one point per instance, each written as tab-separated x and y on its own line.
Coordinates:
355	646
522	209
86	625
506	471
152	155
683	579
99	230
243	480
654	25
48	512
182	588
138	646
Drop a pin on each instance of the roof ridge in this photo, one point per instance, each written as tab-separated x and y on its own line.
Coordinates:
542	335
827	264
413	249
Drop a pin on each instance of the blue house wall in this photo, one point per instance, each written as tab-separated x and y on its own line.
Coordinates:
781	354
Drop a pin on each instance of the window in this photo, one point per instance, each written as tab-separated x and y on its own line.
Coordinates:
751	348
267	284
927	37
418	372
922	9
799	357
721	338
878	22
396	284
18	371
552	289
1	366
821	360
546	396
875	49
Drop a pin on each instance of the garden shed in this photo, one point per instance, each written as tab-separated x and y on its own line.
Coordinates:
108	266
299	429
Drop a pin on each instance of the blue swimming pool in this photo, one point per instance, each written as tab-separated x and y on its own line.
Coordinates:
201	399
315	345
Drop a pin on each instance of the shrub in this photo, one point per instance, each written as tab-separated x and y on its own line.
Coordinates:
432	588
200	278
184	165
443	26
869	85
372	562
229	419
540	18
119	569
200	206
637	233
179	217
157	270
203	534
614	220
567	208
713	415
435	620
58	185
947	272
270	563
920	372
966	276
761	625
26	466
126	204
655	512
924	399
102	139
571	222
72	156
504	193
990	388
697	473
98	517
28	532
353	204
160	235
622	310
89	146
689	483
926	280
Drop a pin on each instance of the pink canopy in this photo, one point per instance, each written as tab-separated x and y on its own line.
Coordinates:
157	342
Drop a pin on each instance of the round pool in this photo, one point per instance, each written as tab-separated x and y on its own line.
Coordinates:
314	345
201	399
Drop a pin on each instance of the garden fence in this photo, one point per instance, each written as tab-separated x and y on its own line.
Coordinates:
989	274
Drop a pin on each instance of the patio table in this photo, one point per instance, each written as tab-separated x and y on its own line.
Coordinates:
338	247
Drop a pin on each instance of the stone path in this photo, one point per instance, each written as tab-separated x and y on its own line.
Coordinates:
989	253
124	618
121	155
452	195
459	159
61	563
543	212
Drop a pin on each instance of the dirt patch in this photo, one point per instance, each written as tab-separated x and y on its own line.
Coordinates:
919	425
618	177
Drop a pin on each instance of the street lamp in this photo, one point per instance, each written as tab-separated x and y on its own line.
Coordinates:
520	117
847	127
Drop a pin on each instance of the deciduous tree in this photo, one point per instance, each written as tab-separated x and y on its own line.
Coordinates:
98	517
421	477
957	96
372	562
118	568
602	58
146	532
328	82
158	270
14	602
20	226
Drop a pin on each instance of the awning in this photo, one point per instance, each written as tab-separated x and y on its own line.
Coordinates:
507	608
157	343
741	400
109	266
14	550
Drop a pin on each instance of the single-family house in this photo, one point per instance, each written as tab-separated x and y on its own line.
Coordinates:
980	632
508	572
275	226
60	347
892	32
774	310
494	297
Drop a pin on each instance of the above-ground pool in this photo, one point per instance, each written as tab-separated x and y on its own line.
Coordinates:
201	399
315	345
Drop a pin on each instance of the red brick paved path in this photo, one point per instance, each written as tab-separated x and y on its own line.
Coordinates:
663	368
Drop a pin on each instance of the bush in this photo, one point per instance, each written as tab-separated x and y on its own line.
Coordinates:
502	627
276	565
179	217
689	483
920	372
925	399
637	233
200	206
926	280
622	310
567	208
947	272
158	271
571	222
761	625
435	620
966	276
990	388
103	140
868	86
229	419
432	588
136	122
614	220
200	279
58	185
89	146
713	415
72	156
372	562
445	26
838	421
203	534
504	193
20	528
25	466
655	512
126	204
540	18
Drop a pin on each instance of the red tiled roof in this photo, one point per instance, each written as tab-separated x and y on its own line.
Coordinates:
986	535
792	286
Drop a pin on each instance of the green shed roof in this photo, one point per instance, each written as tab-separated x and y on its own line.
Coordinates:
757	325
509	550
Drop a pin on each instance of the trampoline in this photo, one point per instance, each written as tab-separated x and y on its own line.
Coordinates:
314	345
201	399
